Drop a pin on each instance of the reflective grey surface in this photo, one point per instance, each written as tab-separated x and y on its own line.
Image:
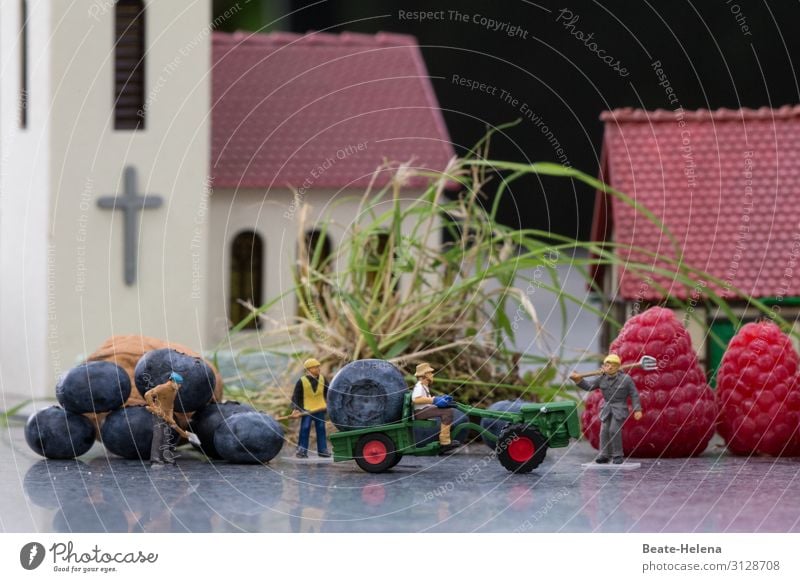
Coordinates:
462	493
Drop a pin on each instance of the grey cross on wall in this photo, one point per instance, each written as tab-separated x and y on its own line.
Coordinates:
130	203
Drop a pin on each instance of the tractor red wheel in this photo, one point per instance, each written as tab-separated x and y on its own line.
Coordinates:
521	448
375	453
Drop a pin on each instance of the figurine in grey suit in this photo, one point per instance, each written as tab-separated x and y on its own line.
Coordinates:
616	387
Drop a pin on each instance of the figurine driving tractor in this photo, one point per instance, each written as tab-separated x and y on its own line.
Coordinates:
520	445
427	407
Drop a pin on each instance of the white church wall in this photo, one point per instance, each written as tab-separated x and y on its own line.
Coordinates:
26	250
276	218
91	299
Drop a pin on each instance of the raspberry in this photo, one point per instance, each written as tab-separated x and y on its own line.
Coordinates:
759	392
678	405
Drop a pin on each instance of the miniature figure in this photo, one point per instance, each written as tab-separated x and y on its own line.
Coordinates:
309	402
520	447
430	407
616	386
161	404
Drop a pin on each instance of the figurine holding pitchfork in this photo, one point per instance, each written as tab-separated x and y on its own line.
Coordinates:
617	387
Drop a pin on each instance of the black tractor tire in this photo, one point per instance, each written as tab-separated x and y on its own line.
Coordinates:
521	448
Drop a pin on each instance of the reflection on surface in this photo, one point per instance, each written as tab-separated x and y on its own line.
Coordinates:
117	495
460	493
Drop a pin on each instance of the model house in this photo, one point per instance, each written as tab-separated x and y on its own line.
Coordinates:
725	184
152	169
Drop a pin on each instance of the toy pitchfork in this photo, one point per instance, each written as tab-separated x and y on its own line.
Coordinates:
647	363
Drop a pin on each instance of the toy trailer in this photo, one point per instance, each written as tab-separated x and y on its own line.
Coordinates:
520	447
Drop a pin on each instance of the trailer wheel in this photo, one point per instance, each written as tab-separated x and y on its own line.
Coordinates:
521	448
375	453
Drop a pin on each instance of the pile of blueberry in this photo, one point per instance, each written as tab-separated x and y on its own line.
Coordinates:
97	395
67	431
237	433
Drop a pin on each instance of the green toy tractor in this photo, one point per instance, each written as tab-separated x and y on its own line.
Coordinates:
520	447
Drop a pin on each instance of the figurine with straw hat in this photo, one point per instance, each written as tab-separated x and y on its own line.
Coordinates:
431	407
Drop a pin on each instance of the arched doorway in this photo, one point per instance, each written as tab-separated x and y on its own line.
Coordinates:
315	256
246	276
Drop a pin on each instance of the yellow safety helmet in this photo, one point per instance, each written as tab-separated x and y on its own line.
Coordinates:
612	359
311	363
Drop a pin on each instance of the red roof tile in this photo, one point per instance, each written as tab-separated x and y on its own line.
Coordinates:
724	182
287	107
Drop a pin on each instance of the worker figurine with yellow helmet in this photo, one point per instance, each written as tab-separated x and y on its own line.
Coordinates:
429	407
617	387
309	400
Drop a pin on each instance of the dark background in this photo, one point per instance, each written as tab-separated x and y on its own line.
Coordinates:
702	46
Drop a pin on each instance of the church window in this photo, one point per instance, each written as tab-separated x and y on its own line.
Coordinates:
318	247
247	276
316	253
23	64
129	105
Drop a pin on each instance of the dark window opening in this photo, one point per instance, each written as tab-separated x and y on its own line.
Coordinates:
318	247
247	276
23	64
316	253
129	105
381	264
376	254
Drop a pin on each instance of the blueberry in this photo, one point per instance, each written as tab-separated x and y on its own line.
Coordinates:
366	393
56	433
199	380
128	432
206	421
496	425
94	387
424	436
249	437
